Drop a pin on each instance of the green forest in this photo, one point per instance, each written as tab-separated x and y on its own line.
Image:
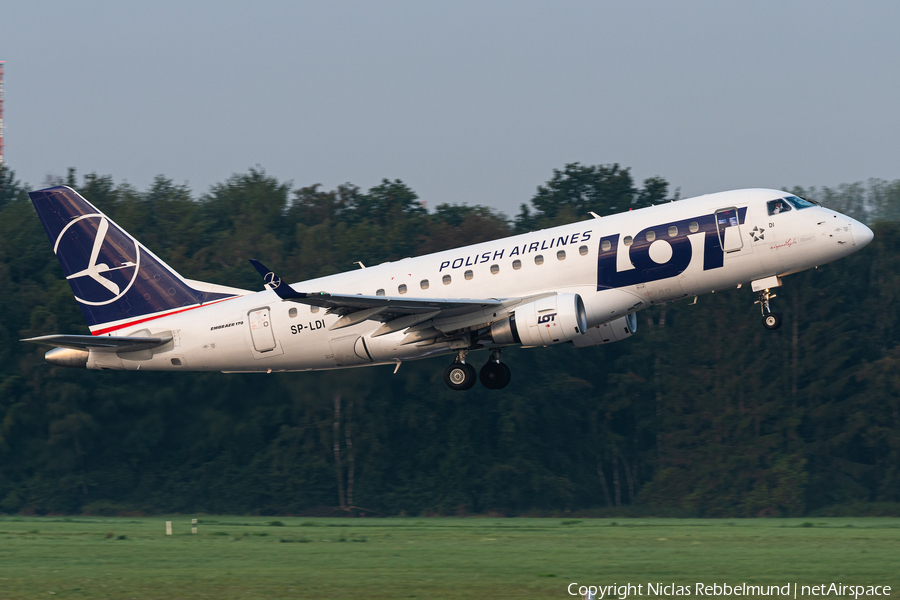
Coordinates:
702	413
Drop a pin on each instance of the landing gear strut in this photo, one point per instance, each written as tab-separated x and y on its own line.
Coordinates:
494	374
771	320
460	375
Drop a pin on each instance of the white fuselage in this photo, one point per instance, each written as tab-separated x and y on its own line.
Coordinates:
589	258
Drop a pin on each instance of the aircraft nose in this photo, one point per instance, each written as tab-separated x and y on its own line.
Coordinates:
862	235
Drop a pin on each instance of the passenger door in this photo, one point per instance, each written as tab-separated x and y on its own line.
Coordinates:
261	329
729	230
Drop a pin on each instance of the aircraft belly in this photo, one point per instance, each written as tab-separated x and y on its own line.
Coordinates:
348	349
735	270
606	305
661	290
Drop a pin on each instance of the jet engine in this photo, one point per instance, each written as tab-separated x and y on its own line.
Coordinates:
550	320
614	331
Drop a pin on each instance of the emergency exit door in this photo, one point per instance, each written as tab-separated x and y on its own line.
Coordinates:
261	329
729	229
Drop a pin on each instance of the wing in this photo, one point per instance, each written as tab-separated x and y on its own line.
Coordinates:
377	308
101	343
445	315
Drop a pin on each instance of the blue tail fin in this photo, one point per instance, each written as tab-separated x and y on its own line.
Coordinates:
115	279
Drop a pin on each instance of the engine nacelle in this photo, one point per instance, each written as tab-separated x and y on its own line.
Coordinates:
614	331
547	321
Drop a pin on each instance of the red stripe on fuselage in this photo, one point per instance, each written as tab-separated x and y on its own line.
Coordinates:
154	317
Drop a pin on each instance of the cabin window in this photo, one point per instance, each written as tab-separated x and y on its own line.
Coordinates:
778	206
495	269
628	240
539	259
292	313
401	288
469	274
604	245
651	235
693	227
446	280
380	292
673	231
176	362
313	309
583	250
423	284
517	264
561	255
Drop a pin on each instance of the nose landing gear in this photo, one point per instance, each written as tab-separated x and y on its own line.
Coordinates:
771	320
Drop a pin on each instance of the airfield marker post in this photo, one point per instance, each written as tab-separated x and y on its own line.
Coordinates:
193	525
168	527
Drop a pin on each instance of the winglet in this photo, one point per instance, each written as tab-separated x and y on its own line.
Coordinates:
274	282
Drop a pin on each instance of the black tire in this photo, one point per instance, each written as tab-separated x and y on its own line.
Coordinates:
460	376
772	321
473	376
494	375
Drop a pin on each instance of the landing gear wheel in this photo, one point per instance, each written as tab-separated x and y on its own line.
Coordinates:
460	376
495	375
772	321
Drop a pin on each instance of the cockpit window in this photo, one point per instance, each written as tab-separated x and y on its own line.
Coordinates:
798	202
778	206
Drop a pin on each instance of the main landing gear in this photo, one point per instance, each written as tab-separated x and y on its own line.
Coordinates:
494	374
461	376
771	320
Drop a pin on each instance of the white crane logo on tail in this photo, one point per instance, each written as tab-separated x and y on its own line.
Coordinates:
114	251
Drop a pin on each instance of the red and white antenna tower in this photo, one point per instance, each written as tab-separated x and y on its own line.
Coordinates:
1	111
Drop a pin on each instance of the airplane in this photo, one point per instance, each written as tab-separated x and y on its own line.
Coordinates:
580	283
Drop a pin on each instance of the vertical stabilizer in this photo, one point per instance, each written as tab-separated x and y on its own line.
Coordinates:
116	280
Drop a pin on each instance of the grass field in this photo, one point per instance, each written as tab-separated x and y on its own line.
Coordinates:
261	557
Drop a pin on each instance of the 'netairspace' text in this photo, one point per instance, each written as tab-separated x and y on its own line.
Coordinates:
622	591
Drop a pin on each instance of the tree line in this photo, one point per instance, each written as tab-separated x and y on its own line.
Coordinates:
703	412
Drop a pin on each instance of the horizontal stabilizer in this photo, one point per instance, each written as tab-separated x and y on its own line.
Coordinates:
101	343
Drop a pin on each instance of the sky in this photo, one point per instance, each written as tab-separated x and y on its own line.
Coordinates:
466	102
